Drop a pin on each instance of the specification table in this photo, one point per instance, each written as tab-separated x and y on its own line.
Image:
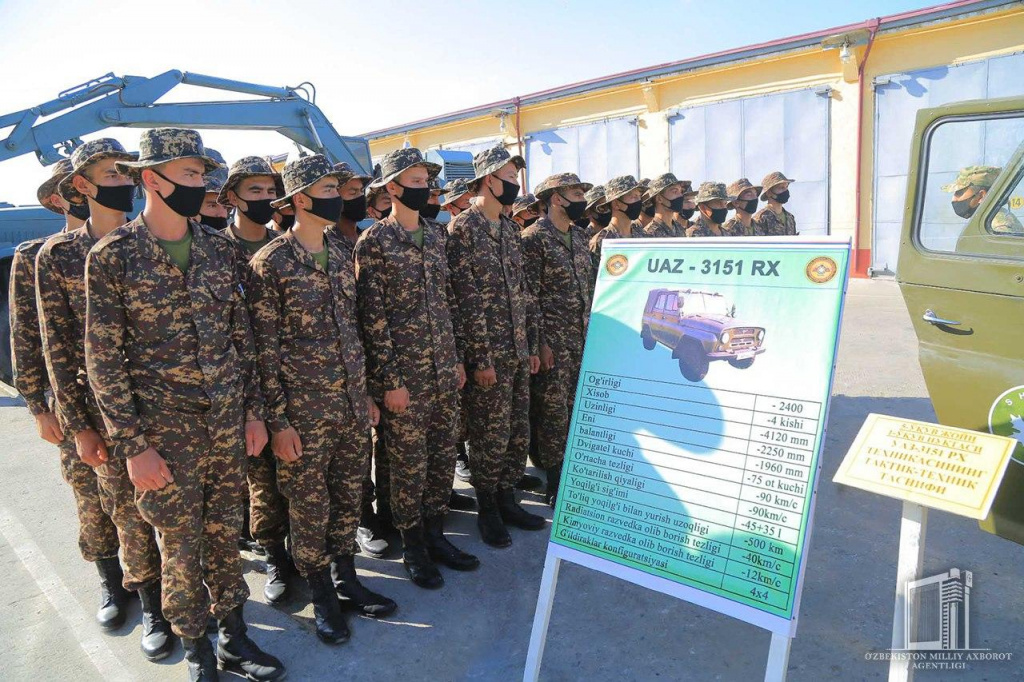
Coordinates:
702	487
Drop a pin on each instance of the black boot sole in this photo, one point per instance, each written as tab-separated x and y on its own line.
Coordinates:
332	642
525	525
500	543
352	607
425	583
237	670
438	558
529	482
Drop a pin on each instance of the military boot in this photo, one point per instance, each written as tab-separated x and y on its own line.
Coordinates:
113	597
460	502
201	661
488	521
369	536
529	482
346	582
239	654
514	515
278	572
418	564
157	638
441	550
551	490
331	627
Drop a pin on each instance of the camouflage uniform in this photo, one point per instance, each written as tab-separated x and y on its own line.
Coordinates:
983	177
60	287
560	279
486	265
408	315
768	223
312	371
170	358
702	228
616	188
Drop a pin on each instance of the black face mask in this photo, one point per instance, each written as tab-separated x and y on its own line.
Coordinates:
328	209
676	205
528	222
385	213
355	209
121	197
184	200
718	215
582	222
414	198
632	211
747	206
649	210
430	211
963	208
286	222
782	197
214	222
603	219
509	192
575	209
80	211
259	211
687	213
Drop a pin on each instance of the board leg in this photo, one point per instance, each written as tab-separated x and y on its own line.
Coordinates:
778	658
541	618
913	525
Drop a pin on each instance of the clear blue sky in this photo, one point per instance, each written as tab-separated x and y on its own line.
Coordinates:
375	64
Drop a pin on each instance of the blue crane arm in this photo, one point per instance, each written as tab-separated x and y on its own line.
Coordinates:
131	102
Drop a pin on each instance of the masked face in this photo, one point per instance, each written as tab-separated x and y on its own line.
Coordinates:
574	209
962	205
414	198
355	209
431	211
509	191
185	200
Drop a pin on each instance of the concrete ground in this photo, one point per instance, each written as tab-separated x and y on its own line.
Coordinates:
478	626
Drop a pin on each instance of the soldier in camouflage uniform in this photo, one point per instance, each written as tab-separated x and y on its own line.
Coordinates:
378	202
623	196
353	197
406	310
499	316
171	361
249	189
524	210
433	207
302	301
713	211
559	274
667	195
458	198
599	214
970	188
744	203
647	204
60	292
774	220
97	535
681	220
213	213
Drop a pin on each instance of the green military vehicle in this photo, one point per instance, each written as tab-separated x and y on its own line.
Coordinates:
698	327
961	272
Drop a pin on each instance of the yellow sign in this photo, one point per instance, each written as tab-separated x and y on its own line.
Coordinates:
941	467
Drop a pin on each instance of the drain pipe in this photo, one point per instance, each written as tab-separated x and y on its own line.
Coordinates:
519	139
872	25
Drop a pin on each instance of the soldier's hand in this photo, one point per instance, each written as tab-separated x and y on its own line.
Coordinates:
149	471
547	358
396	400
91	448
374	412
255	438
48	428
287	445
485	377
460	370
534	364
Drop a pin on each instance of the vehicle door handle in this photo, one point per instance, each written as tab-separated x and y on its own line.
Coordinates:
930	317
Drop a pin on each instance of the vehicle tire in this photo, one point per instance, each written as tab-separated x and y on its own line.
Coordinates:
693	362
6	364
741	364
645	336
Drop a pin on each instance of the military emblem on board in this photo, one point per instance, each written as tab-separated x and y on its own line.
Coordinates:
1006	418
617	265
821	269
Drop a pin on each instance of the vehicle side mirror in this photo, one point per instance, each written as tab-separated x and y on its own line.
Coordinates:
732	311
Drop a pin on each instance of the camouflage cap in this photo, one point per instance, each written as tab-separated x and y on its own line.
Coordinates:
772	179
660	184
740	186
491	160
394	163
595	196
215	179
434	185
60	170
87	154
160	145
711	191
278	182
619	186
523	203
981	177
247	167
302	173
345	169
455	189
559	181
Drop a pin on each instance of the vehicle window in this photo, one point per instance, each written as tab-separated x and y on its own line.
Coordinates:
660	305
1008	214
672	304
964	157
708	304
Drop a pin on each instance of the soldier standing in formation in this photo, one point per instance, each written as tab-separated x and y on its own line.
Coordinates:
170	357
406	307
666	194
713	207
559	275
774	220
622	195
744	205
524	211
458	198
213	213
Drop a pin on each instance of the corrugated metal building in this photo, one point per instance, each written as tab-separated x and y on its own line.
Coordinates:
833	109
